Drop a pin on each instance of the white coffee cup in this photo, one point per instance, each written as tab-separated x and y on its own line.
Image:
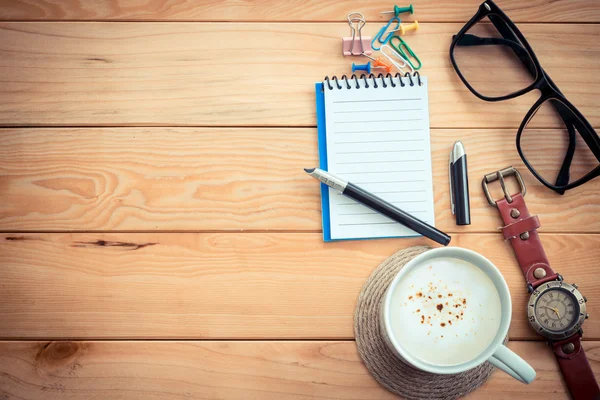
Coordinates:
492	316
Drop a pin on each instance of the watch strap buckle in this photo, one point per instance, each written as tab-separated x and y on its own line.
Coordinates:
499	176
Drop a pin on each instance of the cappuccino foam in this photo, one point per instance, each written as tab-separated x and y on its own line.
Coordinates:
445	312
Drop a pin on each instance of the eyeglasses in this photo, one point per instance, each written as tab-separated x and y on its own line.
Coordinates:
493	59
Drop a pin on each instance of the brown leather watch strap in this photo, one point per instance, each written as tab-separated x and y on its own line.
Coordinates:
521	229
576	369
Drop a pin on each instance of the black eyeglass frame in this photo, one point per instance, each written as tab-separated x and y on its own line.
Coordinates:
548	89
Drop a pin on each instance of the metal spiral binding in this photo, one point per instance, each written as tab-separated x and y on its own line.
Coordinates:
354	82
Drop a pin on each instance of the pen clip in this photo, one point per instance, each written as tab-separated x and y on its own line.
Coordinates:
452	207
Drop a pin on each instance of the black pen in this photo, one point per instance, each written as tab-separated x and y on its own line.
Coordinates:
459	185
377	204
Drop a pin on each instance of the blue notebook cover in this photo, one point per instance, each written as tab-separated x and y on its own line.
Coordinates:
322	139
322	145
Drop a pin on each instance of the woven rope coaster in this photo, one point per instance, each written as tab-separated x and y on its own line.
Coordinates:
391	372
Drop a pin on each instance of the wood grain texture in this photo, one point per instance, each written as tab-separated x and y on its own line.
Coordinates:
279	281
262	74
195	179
231	370
289	10
228	286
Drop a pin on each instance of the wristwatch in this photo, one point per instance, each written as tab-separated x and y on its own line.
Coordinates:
556	310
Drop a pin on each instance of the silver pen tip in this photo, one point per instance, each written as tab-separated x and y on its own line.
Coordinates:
458	150
309	170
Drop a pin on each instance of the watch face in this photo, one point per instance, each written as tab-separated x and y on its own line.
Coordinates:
556	310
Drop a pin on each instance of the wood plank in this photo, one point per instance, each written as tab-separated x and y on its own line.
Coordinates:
137	179
220	285
216	74
295	10
231	370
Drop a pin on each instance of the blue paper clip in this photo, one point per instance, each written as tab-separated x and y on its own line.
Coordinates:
383	30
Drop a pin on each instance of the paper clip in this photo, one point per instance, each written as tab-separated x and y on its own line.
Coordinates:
383	30
400	10
404	46
356	21
402	61
378	63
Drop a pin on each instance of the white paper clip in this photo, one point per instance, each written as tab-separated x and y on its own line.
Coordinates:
399	65
353	46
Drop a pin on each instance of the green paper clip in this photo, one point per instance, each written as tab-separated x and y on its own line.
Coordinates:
400	49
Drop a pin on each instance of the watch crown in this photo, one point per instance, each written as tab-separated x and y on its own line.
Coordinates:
575	286
587	315
585	299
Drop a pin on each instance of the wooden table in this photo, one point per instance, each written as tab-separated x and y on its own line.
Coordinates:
144	252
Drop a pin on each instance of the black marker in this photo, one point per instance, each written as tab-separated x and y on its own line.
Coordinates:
459	185
377	204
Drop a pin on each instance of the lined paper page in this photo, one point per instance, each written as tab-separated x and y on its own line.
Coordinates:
378	139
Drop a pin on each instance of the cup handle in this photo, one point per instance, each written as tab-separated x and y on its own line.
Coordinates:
509	362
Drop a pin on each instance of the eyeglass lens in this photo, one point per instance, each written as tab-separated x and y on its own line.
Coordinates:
552	144
493	60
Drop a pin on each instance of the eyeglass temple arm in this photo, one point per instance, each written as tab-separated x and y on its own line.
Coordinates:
512	41
474	40
571	121
563	176
520	51
523	55
508	33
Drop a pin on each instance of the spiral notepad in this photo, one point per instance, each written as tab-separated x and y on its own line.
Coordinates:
374	132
